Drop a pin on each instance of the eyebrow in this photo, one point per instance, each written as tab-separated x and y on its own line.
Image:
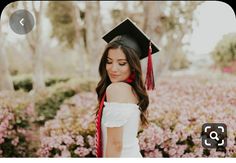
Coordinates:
118	59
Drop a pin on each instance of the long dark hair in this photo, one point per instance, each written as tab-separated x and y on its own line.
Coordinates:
137	85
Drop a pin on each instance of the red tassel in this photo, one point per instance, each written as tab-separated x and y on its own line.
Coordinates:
150	83
99	146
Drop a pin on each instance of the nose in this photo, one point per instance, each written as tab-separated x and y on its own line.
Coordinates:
114	68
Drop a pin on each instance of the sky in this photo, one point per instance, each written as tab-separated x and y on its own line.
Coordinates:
215	19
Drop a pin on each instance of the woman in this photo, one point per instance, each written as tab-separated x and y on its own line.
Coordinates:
122	86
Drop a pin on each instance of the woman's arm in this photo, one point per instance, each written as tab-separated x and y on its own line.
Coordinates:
114	141
117	92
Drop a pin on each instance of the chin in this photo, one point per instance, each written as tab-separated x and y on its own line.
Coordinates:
115	80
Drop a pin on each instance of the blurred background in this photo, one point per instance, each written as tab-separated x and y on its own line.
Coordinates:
66	40
48	76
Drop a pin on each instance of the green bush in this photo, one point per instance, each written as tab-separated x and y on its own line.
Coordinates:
48	101
53	81
47	108
26	84
224	53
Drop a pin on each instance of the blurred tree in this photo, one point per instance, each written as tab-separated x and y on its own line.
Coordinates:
167	23
179	60
119	15
224	54
35	42
67	26
5	78
60	14
94	31
83	66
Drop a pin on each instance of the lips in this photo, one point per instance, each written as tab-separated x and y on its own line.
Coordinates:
113	75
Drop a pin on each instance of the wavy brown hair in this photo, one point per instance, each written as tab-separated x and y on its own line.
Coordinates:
138	84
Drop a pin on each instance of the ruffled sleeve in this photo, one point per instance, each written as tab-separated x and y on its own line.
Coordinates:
117	114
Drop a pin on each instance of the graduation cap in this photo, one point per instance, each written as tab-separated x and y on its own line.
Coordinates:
128	34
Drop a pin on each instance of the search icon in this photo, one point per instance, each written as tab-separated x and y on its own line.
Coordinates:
214	137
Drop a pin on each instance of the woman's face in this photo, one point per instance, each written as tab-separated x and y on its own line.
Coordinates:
117	66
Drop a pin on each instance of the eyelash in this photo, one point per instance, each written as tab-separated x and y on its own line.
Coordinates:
121	64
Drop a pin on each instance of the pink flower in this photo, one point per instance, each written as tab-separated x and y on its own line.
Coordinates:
67	139
65	153
172	152
22	131
153	154
227	69
91	141
80	140
81	151
1	140
15	141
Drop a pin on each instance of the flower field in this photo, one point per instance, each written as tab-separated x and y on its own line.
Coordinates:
178	108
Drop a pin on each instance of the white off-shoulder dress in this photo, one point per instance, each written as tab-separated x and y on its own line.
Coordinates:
126	115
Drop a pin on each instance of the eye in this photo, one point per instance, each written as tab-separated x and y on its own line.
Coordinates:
122	64
108	62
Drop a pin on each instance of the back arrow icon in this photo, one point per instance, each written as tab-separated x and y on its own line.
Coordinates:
22	21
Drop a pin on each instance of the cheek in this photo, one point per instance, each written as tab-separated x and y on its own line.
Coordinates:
126	70
108	67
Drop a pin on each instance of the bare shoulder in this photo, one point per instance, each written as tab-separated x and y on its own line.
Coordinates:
118	86
120	92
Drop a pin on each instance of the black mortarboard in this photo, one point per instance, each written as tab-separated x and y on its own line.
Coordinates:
131	36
